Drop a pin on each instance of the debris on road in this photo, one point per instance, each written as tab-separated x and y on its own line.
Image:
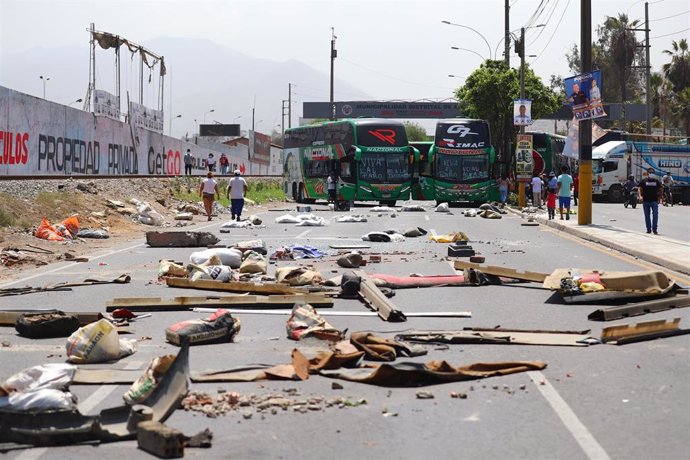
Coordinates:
649	330
180	239
500	336
449	238
680	300
96	343
306	322
153	304
220	327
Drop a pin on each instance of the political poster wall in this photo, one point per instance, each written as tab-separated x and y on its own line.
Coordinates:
584	94
106	104
38	137
572	141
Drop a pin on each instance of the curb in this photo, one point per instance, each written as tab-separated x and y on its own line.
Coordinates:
582	234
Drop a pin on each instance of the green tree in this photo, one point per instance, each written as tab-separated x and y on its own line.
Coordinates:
681	109
488	94
678	70
415	131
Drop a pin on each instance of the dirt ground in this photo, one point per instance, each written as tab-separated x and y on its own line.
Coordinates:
56	204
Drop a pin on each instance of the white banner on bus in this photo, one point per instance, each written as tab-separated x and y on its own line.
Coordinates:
106	104
146	118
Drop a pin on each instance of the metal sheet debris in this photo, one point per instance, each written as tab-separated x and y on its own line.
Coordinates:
640	308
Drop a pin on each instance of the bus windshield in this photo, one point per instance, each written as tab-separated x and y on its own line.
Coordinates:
384	167
462	135
462	168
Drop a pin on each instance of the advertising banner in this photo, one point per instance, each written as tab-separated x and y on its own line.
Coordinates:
524	164
572	142
584	94
146	118
261	153
106	104
522	112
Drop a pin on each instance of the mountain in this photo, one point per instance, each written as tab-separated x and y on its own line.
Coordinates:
202	75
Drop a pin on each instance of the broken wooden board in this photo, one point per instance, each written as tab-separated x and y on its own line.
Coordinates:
640	308
502	271
235	286
8	318
501	337
376	299
648	330
414	314
139	304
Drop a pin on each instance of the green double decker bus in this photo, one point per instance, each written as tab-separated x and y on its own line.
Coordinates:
370	159
459	163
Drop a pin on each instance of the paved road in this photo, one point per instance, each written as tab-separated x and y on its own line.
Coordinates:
674	221
596	402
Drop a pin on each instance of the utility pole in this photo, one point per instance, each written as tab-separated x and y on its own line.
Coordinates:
282	124
334	54
648	65
522	200
507	122
507	34
289	105
584	211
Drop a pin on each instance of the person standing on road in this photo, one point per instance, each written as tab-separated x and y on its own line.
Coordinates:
667	181
331	188
208	191
564	184
649	191
503	186
536	191
211	163
224	165
237	190
188	162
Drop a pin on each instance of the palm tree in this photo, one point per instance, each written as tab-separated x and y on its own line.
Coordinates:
681	108
678	70
623	46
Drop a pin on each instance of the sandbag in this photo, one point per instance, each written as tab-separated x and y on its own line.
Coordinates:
253	263
93	233
149	380
414	232
47	232
218	328
351	260
442	207
298	276
449	238
228	256
305	322
221	273
97	342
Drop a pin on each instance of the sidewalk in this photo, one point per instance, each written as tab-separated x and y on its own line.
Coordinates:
666	252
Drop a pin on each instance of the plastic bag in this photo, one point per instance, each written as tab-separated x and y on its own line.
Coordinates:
449	238
228	256
97	342
72	225
298	276
47	232
287	219
39	388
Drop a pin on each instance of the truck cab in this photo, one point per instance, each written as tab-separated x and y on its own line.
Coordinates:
610	170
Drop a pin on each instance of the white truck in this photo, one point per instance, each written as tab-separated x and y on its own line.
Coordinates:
614	161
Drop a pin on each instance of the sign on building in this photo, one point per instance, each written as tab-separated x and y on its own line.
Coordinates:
106	104
375	109
146	118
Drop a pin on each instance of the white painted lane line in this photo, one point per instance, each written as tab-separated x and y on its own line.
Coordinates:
103	392
584	438
426	218
304	233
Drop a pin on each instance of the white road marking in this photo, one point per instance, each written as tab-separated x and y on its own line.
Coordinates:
304	233
103	392
426	218
584	438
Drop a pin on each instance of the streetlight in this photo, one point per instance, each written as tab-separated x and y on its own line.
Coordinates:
465	49
473	30
45	79
210	111
75	102
236	118
455	76
170	124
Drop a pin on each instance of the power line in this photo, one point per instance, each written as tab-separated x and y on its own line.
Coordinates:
390	76
539	11
546	23
554	32
668	17
672	33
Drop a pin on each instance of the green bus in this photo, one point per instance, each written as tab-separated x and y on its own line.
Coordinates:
370	158
547	152
459	163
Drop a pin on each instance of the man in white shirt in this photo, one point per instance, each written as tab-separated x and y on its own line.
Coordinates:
211	162
237	190
536	191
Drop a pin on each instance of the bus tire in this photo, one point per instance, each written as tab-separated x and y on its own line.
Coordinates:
615	194
294	191
300	193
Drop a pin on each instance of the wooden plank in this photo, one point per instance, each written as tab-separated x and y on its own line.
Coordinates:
502	271
234	286
139	304
414	314
640	308
349	246
647	328
8	318
376	300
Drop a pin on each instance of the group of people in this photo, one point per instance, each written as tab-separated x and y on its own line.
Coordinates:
236	191
555	189
211	162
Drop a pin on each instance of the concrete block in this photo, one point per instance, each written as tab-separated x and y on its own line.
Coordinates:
180	239
160	440
465	251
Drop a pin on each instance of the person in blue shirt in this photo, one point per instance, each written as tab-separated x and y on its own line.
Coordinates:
565	183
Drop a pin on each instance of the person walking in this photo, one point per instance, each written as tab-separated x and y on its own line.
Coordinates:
536	191
188	162
208	191
667	182
551	205
564	184
650	191
211	163
503	187
237	190
331	188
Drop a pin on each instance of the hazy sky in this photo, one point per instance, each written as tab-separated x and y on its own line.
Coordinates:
388	49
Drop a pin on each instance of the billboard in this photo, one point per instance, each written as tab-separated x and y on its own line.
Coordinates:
106	104
145	117
374	109
261	151
584	95
219	130
524	164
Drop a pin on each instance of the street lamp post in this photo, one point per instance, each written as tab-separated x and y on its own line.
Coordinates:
210	111
45	79
468	50
236	118
74	102
473	30
170	125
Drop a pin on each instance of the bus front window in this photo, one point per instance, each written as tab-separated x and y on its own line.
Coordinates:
397	168
449	167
